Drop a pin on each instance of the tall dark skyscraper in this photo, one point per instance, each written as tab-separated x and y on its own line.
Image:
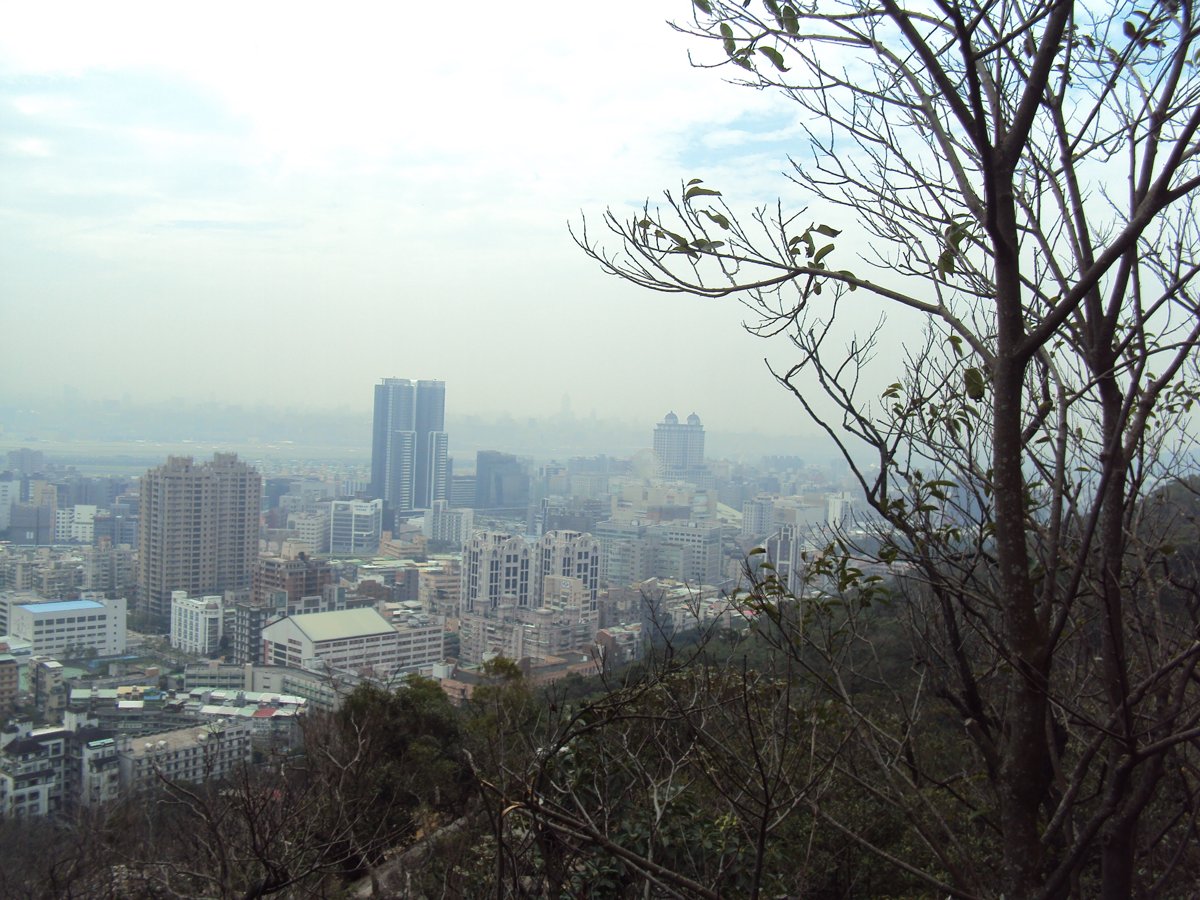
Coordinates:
408	443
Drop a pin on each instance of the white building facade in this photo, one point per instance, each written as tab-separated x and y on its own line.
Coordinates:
496	568
197	623
357	640
56	626
355	526
449	526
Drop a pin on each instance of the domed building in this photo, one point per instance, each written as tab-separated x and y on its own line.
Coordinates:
679	447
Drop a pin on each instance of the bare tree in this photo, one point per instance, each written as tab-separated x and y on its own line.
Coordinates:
1023	174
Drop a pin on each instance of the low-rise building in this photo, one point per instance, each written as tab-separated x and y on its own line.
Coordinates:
33	773
59	627
193	754
357	640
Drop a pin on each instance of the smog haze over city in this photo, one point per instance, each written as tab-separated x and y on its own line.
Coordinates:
248	217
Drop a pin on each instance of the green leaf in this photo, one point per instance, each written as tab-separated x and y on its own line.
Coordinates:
695	181
828	231
790	23
945	263
974	383
717	218
727	36
822	253
850	284
956	343
1130	29
700	192
703	6
774	56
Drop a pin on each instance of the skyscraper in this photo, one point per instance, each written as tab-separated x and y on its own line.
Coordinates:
409	444
198	531
679	447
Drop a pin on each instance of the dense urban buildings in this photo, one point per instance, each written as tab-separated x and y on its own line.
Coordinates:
198	531
409	446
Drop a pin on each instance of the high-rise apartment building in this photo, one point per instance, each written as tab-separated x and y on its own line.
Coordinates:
495	571
679	447
409	446
569	554
198	530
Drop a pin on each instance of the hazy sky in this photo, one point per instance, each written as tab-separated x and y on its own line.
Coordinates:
284	202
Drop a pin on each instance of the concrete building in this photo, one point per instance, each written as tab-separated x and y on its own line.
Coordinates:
409	446
47	684
194	754
619	645
840	510
439	586
10	684
94	771
198	530
679	447
10	493
785	549
633	551
448	526
33	773
311	531
567	553
496	568
758	516
77	625
556	613
109	569
422	639
74	524
197	623
688	551
501	482
355	527
355	640
31	524
299	577
246	618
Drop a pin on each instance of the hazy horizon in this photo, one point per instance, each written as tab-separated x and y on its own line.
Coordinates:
286	211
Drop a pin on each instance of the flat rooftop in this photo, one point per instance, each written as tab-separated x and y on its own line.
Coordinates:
62	606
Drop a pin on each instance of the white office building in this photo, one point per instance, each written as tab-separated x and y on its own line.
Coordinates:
356	640
355	526
448	526
54	626
197	623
